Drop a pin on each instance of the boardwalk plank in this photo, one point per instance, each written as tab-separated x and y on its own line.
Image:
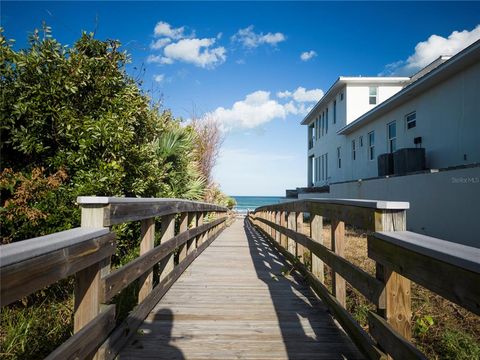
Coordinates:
238	300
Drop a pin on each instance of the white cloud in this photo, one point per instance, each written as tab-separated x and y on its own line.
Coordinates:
159	59
258	108
164	29
307	55
302	95
159	78
176	46
199	52
160	43
249	39
429	50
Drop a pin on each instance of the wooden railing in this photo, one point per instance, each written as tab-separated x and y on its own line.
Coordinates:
448	269
85	252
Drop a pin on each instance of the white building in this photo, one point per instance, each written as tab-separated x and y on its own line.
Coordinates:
361	118
437	110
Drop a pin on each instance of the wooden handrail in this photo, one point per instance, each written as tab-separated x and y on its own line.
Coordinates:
30	265
448	269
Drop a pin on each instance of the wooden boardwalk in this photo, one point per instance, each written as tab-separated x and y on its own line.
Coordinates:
233	302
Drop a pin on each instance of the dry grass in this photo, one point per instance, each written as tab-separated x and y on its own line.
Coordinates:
441	329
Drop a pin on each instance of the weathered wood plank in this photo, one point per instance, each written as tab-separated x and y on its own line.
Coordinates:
120	278
367	285
123	332
339	288
316	233
391	341
437	273
183	227
88	339
359	336
119	210
147	243
26	276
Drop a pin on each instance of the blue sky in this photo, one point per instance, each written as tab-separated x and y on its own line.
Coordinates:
241	64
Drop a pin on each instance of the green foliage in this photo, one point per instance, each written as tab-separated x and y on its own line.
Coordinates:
73	123
459	346
75	110
422	325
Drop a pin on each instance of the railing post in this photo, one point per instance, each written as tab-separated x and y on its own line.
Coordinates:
183	227
199	222
88	281
277	221
292	225
168	232
146	244
299	229
338	246
316	233
192	223
395	302
283	223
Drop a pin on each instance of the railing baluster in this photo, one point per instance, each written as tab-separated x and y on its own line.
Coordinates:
146	244
88	281
200	219
183	227
192	223
168	232
338	246
283	223
277	221
292	224
316	233
396	298
300	229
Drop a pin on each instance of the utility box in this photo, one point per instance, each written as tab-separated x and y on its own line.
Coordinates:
385	164
408	160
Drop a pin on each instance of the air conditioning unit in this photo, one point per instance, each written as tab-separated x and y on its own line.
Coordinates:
385	164
409	160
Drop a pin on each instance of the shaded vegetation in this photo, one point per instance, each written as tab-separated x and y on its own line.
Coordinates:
74	123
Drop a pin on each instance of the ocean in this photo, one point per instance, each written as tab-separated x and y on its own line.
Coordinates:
245	203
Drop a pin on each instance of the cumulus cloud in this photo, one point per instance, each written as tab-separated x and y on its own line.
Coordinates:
160	43
159	78
429	50
307	55
249	39
258	108
174	46
302	95
163	29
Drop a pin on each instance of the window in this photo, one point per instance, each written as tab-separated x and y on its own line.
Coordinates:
361	141
392	136
316	171
354	150
372	95
371	145
411	120
322	174
323	123
339	157
326	165
341	96
335	112
326	122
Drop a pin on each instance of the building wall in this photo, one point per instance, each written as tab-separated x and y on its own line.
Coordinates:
444	205
448	120
357	97
354	104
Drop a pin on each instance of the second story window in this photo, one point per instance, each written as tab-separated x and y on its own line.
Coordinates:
392	136
371	145
326	121
360	140
354	150
411	120
335	112
339	157
341	96
372	95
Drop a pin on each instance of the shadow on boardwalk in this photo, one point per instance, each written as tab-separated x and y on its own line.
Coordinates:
299	311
